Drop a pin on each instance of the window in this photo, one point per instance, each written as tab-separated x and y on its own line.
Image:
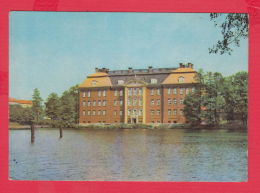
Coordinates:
104	103
158	112
94	82
121	92
169	91
134	112
169	112
84	113
94	113
115	102
99	93
104	112
187	90
140	112
121	113
153	81
175	112
140	91
84	103
152	91
152	102
89	103
169	101
89	93
134	102
104	92
94	103
135	91
120	82
115	113
181	90
175	101
121	102
115	92
129	102
158	91
152	112
181	79
129	91
129	112
88	112
181	111
175	91
99	112
84	94
181	101
99	103
158	101
140	102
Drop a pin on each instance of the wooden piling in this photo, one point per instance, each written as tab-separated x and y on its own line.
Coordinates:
32	133
61	132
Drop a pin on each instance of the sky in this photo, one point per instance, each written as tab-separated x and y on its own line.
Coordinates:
53	51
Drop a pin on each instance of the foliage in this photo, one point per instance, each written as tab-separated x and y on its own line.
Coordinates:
37	108
20	114
217	98
234	26
52	106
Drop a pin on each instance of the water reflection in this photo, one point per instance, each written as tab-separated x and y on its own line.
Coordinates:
129	155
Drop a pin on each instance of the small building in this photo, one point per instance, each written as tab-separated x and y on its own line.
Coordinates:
153	95
22	103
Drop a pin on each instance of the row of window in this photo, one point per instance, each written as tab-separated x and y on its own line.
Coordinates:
134	102
94	113
139	91
135	91
175	101
101	103
135	112
103	93
175	111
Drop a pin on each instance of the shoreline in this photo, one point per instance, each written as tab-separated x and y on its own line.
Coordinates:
227	126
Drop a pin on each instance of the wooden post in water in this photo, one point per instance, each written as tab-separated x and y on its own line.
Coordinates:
61	132
32	133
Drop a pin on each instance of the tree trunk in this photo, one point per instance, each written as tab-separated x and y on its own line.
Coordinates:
32	133
61	132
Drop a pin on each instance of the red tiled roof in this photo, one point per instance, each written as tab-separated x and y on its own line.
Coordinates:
20	101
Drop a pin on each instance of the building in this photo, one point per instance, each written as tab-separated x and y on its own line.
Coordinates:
153	95
22	103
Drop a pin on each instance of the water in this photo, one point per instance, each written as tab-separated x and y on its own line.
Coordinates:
129	155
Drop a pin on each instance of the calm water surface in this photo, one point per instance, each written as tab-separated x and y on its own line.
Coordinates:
129	155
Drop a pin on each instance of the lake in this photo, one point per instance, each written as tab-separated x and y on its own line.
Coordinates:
129	155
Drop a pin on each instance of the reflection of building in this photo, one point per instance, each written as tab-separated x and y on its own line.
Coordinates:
23	103
153	95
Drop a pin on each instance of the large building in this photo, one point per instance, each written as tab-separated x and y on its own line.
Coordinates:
153	95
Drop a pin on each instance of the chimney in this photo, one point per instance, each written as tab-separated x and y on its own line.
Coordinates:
182	65
97	69
190	65
130	69
150	68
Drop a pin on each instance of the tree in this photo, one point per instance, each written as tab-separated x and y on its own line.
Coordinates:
37	105
234	26
20	115
52	105
67	111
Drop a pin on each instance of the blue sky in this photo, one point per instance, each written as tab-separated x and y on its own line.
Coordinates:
54	51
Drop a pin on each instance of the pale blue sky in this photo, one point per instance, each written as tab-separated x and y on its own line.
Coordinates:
55	50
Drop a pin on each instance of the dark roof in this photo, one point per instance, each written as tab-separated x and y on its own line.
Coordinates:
139	74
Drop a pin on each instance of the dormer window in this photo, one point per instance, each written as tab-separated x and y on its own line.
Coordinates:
120	82
153	81
181	79
94	82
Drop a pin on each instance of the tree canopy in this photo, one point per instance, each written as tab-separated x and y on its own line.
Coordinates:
234	27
